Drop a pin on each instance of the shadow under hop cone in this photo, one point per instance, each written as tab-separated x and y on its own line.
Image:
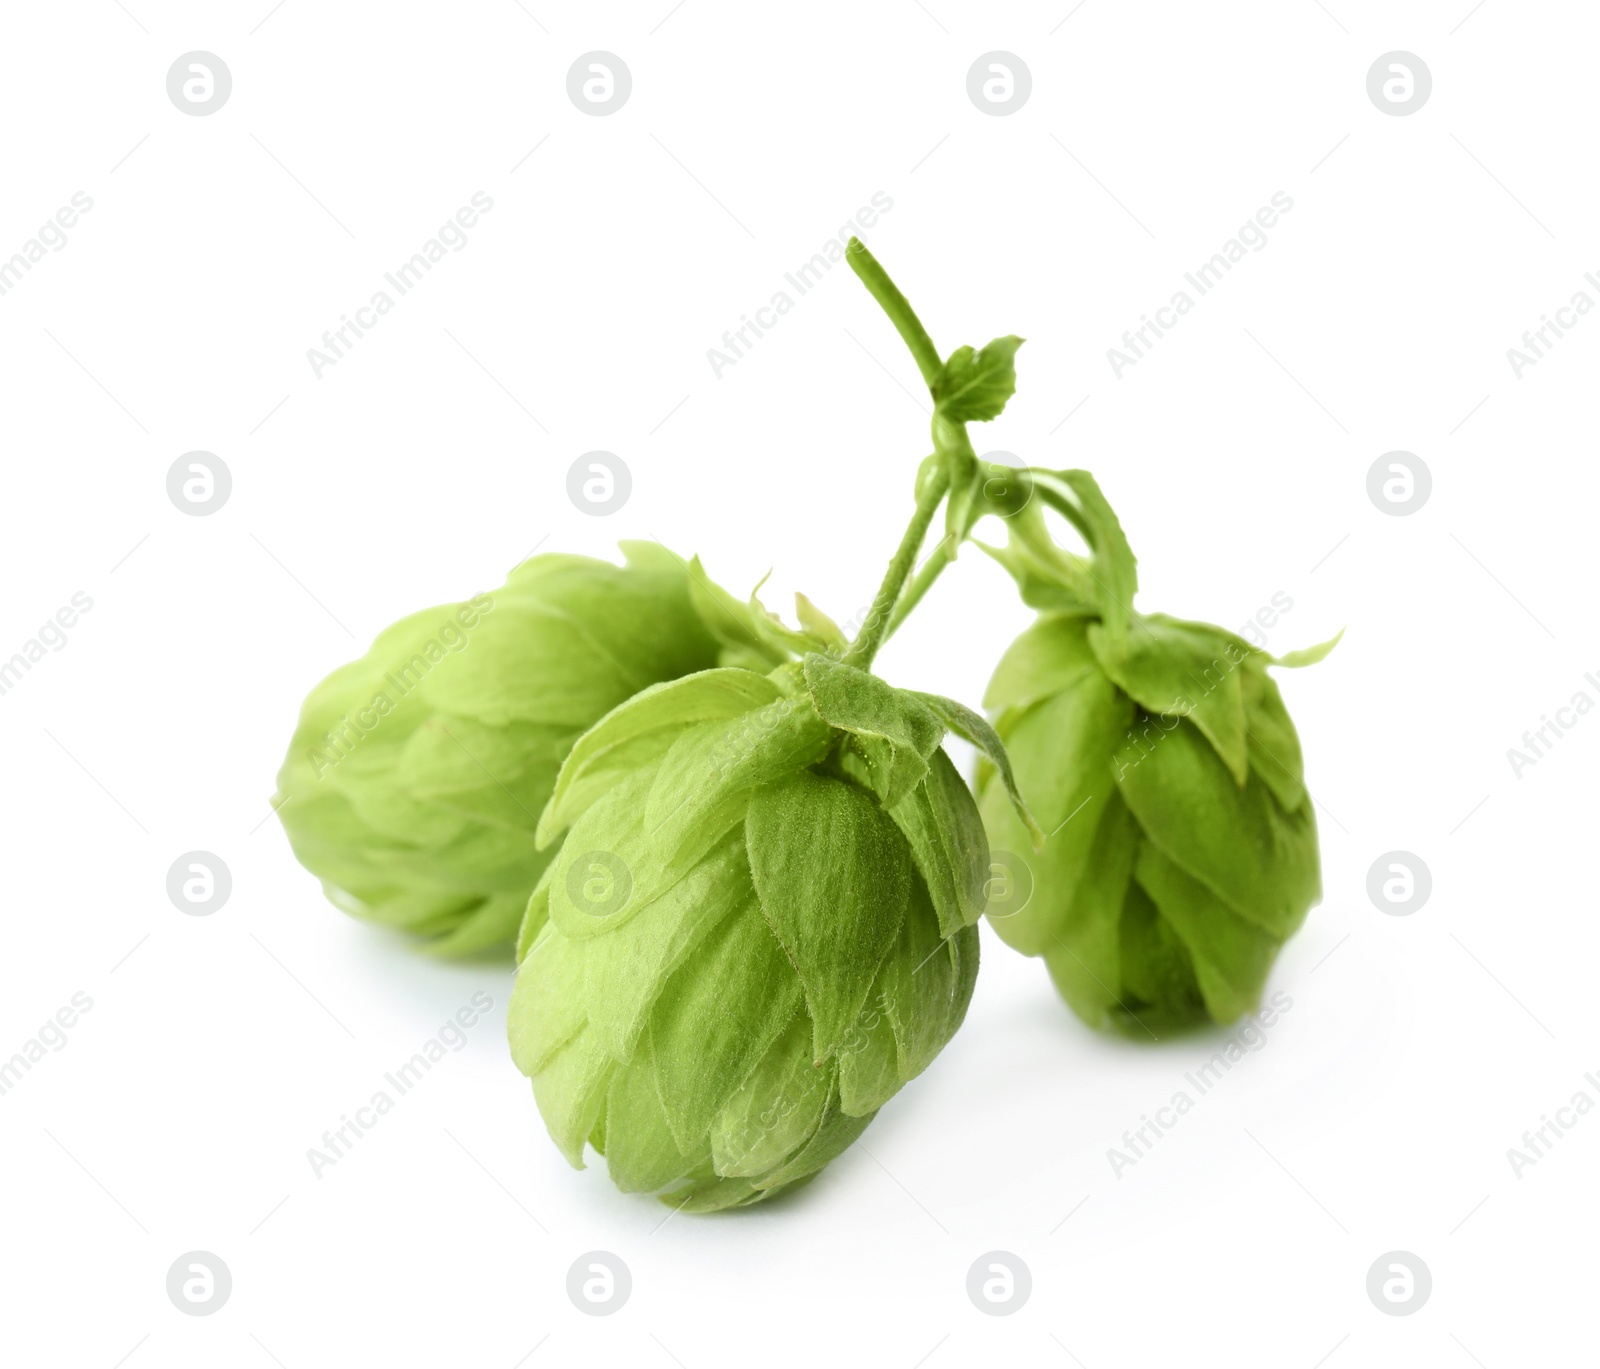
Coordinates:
415	778
1159	758
759	927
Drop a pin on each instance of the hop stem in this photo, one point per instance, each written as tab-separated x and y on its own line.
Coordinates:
891	608
876	629
941	556
898	308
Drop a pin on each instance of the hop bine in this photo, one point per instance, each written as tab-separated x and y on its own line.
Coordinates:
1161	762
414	780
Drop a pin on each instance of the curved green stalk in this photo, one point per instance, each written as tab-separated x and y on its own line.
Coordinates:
875	631
898	308
940	557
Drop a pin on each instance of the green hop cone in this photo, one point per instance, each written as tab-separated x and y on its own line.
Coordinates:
414	780
1160	761
759	927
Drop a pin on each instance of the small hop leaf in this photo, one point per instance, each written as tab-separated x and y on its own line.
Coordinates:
1309	655
974	386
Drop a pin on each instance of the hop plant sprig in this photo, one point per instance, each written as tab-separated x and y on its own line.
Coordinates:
1180	848
755	873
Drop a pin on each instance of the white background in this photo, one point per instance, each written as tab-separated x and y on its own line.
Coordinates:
430	459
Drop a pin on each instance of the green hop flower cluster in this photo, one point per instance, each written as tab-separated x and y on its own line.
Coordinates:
1159	758
759	928
414	780
742	874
